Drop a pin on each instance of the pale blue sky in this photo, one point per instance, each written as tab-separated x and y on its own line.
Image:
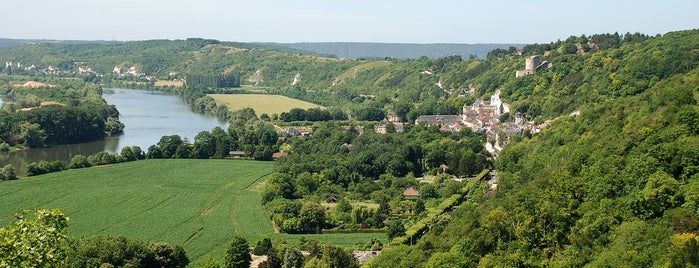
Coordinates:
399	21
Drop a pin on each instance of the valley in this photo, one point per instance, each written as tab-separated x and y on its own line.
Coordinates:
592	142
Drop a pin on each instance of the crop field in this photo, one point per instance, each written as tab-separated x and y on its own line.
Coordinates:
262	104
199	204
162	83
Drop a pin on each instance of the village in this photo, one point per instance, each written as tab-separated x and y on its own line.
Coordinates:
481	116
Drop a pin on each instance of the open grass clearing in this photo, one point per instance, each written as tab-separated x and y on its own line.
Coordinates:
261	103
162	83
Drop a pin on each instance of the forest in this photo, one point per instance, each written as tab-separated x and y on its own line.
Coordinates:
65	113
612	180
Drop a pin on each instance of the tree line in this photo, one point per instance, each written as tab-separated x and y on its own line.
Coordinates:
213	81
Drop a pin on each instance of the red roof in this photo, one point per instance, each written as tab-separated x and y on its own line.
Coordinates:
411	192
279	155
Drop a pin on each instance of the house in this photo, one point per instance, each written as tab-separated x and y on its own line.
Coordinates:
383	127
363	256
237	154
438	120
278	155
292	131
411	193
393	117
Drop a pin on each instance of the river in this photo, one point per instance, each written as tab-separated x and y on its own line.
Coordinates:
147	115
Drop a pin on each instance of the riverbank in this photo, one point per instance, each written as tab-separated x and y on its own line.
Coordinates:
147	116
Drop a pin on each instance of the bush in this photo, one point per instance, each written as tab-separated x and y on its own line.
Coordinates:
8	173
262	246
79	161
119	251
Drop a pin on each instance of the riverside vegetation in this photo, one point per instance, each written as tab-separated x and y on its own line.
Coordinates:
613	184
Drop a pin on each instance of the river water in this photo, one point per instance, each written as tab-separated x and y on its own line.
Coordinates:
148	115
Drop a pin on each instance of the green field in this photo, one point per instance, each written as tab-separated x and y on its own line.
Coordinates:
262	104
198	204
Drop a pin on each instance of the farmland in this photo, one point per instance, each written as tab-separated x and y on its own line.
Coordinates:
262	104
168	83
198	204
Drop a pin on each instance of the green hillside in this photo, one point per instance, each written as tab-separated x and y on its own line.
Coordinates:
615	186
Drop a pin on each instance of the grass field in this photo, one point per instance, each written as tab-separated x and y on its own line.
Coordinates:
199	204
269	104
162	83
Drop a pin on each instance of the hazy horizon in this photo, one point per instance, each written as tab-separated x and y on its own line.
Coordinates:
362	21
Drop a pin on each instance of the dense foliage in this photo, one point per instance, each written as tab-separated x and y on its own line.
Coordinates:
614	186
337	163
34	240
119	251
214	81
41	241
70	112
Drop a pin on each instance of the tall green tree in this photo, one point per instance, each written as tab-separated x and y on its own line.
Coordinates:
31	135
293	258
312	216
237	254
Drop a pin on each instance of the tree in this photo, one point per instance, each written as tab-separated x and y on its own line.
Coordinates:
658	195
119	251
446	259
113	126
369	114
131	153
395	229
419	206
38	241
8	173
102	158
222	142
262	246
154	152
237	254
569	48
343	206
31	135
684	251
169	145
165	255
312	216
333	257
293	258
204	146
273	259
211	262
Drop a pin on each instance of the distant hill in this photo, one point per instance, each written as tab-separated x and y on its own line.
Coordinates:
395	50
6	42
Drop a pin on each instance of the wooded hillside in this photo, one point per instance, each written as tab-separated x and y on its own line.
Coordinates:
615	186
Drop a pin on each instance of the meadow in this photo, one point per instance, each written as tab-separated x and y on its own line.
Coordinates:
262	104
162	83
199	204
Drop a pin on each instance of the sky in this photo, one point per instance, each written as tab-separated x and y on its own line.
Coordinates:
384	21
